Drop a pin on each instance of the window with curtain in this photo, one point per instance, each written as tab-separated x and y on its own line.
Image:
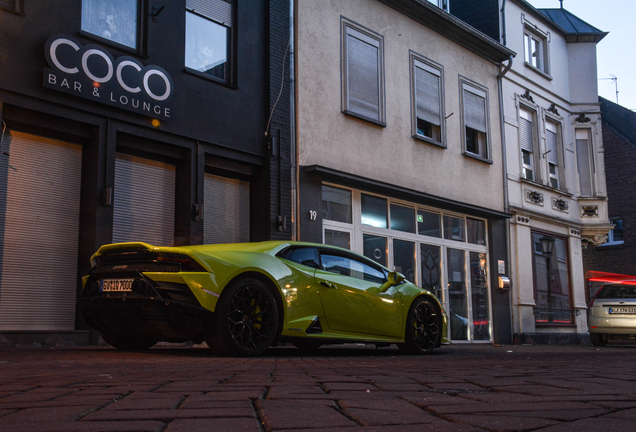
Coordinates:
114	20
208	37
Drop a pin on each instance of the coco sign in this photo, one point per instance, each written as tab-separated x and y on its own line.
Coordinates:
91	72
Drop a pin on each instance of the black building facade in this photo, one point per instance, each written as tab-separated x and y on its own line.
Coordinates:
130	120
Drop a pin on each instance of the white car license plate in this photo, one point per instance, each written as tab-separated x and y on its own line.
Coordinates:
116	285
622	310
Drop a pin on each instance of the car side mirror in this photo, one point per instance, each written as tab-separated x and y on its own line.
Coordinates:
394	278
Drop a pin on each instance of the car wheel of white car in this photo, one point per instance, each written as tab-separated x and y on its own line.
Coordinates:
598	339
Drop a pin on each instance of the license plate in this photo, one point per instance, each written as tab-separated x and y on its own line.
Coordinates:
622	310
115	285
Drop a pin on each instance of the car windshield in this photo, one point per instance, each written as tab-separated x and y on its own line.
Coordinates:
617	291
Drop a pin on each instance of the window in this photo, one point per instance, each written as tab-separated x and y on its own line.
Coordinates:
584	162
429	224
336	204
307	256
615	236
427	87
374	211
551	283
527	143
553	153
535	51
402	218
363	74
442	4
475	121
208	38
114	20
349	266
454	228
375	248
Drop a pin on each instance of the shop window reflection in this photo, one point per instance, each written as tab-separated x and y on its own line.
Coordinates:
458	301
479	296
431	269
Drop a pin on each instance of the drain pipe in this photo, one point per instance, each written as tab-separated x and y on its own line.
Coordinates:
505	184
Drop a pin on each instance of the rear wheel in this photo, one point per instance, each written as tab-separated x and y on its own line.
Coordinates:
247	318
598	339
423	327
128	342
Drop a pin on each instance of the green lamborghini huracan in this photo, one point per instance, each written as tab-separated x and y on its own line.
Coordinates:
243	298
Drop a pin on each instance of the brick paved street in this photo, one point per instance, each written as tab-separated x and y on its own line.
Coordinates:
458	388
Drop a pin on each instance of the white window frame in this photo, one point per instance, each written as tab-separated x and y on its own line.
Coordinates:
350	32
554	160
442	4
427	66
481	130
539	62
583	145
529	115
611	241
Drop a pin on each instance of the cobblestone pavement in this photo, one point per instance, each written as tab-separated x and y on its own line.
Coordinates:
458	388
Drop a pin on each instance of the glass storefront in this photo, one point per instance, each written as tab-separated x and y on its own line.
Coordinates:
443	252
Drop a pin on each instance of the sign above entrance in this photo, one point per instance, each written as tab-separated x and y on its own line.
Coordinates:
92	73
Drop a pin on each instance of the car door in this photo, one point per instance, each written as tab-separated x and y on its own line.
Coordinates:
349	290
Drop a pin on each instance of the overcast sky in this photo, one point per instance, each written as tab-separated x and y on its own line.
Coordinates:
615	53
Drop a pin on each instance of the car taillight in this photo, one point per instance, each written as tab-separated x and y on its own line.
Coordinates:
188	264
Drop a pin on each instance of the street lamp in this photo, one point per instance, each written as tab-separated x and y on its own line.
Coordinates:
547	245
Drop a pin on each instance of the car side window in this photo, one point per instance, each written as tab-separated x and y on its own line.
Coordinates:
302	255
349	266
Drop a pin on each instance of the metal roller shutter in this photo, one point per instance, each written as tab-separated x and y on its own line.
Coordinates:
39	220
226	210
143	208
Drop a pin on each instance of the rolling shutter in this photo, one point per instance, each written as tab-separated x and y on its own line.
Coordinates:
525	135
474	109
218	10
144	199
363	75
39	226
584	164
551	143
427	94
226	210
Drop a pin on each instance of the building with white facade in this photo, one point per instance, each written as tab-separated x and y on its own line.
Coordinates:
399	149
555	179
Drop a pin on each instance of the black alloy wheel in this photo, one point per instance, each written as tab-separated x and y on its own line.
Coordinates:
423	327
128	342
247	319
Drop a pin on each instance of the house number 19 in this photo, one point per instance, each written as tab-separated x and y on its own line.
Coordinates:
313	215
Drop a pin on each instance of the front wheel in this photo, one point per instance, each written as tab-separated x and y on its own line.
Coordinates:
423	327
598	339
247	317
128	342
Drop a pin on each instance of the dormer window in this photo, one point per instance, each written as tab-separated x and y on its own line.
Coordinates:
536	51
442	4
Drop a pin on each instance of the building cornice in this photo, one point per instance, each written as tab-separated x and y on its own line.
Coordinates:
452	28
